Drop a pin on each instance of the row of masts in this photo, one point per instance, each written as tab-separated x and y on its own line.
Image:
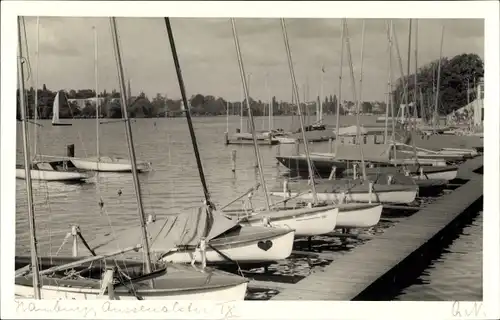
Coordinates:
27	159
124	100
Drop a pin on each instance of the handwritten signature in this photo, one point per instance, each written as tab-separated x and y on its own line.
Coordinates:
221	310
467	309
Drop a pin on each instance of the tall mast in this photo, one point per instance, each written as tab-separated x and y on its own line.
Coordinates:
415	90
241	112
407	99
270	108
36	84
358	103
339	99
406	95
124	98
227	117
320	119
391	97
388	96
188	118
250	115
301	119
438	76
306	100
96	93
27	171
400	63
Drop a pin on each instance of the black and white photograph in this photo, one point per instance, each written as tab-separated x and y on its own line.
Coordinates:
234	158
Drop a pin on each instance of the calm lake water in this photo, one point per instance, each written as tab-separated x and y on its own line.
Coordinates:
174	185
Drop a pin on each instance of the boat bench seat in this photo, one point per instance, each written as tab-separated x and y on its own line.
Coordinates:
44	166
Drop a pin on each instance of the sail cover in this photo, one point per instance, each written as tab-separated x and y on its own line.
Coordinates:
371	152
184	229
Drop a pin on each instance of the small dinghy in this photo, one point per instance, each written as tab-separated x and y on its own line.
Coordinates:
353	190
359	215
306	220
47	171
108	164
127	282
416	171
177	238
427	187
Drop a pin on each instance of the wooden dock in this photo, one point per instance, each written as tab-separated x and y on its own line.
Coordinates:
378	262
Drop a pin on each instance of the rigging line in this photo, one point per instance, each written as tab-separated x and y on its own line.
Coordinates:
355	96
117	241
295	90
27	59
130	144
188	113
30	78
243	76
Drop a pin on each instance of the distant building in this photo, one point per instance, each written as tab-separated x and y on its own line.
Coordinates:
473	112
81	103
479	104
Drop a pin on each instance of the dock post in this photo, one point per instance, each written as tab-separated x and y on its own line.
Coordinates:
226	138
233	160
297	147
70	150
370	192
278	153
330	143
74	234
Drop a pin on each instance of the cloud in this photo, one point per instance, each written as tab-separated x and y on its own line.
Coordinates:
208	58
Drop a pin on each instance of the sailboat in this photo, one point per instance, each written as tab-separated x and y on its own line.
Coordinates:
99	276
347	215
354	190
99	162
179	238
311	220
58	101
42	170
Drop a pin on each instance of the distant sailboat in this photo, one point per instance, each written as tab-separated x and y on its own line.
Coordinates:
105	163
43	170
55	110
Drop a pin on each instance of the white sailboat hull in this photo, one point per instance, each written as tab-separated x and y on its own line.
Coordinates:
245	252
107	165
404	196
446	175
285	140
317	223
356	216
227	293
49	175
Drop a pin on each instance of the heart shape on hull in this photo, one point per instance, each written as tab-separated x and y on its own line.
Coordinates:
265	245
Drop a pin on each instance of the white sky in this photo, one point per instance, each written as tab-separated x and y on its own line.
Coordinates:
208	57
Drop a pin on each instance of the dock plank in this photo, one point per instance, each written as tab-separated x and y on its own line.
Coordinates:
350	274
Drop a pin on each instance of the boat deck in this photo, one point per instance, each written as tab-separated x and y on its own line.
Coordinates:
378	259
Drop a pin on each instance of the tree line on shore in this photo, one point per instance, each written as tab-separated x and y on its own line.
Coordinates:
161	106
457	74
